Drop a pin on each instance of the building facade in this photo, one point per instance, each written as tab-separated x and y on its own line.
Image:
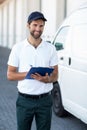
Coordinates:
14	13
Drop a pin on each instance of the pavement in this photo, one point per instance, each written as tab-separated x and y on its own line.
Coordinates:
8	95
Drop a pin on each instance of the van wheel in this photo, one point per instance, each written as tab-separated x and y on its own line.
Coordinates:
57	102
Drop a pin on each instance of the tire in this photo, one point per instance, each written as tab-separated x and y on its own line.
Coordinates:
57	101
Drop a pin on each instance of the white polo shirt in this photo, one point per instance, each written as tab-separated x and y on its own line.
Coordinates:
24	55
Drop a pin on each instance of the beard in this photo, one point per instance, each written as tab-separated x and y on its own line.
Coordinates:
36	35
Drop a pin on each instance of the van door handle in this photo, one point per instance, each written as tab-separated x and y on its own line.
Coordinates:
69	60
61	58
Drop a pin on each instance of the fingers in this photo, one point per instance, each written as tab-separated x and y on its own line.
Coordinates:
38	77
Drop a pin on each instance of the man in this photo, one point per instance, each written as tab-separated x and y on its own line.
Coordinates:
34	95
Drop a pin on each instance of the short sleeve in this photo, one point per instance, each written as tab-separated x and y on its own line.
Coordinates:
13	59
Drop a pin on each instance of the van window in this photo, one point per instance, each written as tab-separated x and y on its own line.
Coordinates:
61	38
79	46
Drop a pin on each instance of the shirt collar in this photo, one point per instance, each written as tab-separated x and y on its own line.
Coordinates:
27	43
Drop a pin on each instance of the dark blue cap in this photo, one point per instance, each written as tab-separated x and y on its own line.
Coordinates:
35	16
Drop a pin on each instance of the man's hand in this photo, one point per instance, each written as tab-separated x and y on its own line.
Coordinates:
45	79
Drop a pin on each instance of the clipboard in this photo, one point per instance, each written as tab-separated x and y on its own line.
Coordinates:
40	70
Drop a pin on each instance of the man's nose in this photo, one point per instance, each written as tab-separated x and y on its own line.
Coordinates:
38	28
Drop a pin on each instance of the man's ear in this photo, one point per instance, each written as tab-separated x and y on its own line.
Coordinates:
28	25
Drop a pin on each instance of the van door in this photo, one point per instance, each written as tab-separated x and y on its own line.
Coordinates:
72	61
77	76
63	47
74	78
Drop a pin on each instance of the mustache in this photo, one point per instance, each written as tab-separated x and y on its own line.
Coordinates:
36	36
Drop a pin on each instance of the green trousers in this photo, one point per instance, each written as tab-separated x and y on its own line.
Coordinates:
28	108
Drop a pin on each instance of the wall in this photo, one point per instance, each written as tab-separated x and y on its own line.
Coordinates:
54	14
14	13
13	18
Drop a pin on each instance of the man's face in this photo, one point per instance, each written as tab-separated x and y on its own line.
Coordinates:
36	28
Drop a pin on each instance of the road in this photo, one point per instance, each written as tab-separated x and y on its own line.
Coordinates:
8	95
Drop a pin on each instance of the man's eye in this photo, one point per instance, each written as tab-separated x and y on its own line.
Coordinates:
35	25
41	26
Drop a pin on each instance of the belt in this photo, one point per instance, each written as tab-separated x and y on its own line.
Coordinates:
34	96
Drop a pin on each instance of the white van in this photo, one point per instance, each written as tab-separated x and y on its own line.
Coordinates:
70	94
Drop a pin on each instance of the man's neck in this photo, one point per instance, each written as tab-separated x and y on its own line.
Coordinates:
34	42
